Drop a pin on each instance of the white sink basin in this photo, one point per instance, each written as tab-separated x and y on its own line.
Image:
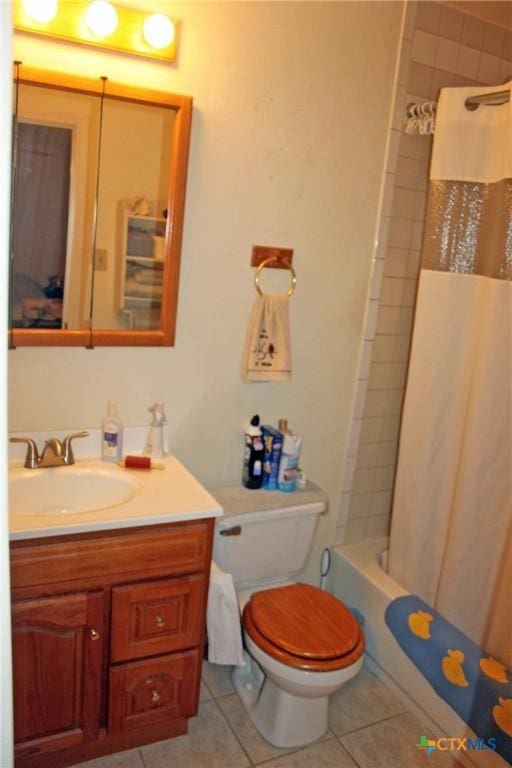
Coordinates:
91	496
68	490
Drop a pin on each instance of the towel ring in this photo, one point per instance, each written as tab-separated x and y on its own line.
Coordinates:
264	263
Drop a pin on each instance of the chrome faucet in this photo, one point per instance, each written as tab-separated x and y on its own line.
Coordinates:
55	453
52	455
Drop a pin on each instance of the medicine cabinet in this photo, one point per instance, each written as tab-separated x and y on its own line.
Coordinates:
98	195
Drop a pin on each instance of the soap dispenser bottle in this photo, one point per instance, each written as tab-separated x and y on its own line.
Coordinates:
156	443
111	434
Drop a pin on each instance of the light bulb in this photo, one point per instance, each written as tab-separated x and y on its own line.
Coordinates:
101	18
40	10
158	31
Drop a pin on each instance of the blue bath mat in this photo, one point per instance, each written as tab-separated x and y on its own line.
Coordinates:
476	686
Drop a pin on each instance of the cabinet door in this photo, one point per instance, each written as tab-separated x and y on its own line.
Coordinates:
57	650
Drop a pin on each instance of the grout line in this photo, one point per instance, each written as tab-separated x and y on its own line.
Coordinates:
345	750
224	695
376	722
144	764
233	730
203	681
212	692
295	750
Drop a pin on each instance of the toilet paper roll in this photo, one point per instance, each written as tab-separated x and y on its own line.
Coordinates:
223	620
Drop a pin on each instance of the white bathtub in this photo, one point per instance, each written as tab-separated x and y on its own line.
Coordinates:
358	579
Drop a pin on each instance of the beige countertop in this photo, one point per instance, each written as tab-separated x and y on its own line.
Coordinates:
160	496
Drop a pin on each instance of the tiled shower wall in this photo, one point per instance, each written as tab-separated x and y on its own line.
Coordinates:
440	47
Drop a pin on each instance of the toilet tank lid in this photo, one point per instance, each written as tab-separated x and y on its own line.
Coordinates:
237	500
299	510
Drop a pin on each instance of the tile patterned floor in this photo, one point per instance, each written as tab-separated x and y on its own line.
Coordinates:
368	728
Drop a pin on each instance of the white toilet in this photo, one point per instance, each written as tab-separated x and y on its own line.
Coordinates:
301	643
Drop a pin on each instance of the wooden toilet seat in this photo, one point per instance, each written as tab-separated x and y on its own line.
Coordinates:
303	626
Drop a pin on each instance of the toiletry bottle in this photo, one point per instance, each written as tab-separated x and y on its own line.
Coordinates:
156	443
290	452
252	473
272	443
111	435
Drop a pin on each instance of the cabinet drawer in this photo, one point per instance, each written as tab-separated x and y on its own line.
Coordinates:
144	692
96	559
157	617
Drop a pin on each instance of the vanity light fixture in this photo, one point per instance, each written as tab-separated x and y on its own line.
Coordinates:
158	31
99	23
41	11
101	18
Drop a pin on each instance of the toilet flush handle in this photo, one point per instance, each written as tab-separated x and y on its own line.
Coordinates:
236	530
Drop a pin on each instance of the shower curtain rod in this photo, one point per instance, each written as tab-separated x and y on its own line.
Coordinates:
493	99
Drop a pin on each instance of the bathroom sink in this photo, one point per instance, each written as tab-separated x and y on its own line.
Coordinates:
68	490
91	495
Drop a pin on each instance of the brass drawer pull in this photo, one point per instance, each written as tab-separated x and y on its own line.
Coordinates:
160	622
155	696
94	635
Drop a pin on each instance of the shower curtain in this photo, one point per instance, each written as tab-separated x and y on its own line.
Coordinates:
451	532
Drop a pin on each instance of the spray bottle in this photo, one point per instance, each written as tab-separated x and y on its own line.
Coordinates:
157	442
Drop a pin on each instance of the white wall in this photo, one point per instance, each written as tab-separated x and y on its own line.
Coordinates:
6	740
291	109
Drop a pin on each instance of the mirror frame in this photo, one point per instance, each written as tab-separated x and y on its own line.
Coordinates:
182	106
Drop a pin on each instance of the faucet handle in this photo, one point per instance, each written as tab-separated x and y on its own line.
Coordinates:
68	457
31	456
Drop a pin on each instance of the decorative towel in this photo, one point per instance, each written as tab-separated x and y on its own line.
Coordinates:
223	620
267	353
477	686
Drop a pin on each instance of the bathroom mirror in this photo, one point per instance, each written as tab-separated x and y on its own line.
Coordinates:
99	175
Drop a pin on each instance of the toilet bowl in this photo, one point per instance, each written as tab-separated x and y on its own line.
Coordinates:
301	644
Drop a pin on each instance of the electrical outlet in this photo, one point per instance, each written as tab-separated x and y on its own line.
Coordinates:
100	259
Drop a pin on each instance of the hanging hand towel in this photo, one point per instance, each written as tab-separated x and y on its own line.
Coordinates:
223	620
267	353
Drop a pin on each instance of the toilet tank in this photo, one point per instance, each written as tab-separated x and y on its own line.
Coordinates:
264	544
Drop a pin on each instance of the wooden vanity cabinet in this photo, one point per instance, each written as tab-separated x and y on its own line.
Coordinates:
108	636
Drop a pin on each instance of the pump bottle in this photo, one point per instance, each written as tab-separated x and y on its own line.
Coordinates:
111	434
